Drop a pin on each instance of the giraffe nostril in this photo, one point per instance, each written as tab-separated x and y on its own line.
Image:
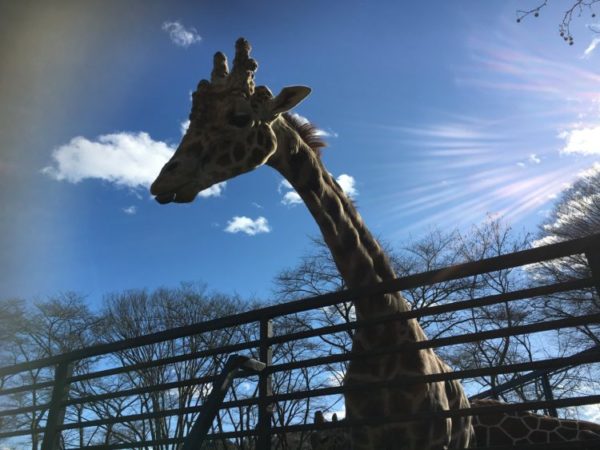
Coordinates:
171	166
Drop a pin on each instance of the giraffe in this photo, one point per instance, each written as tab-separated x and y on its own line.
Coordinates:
496	429
524	427
235	127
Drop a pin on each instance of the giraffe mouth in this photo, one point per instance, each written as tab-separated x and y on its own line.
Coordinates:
163	199
183	194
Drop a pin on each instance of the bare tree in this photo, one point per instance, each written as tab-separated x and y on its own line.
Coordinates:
489	239
576	214
64	323
137	312
573	9
56	325
317	274
435	250
13	320
295	411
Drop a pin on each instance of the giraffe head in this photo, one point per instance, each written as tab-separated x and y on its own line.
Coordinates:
231	129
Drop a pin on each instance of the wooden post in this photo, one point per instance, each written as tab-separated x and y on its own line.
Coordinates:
56	413
548	394
265	410
211	406
593	257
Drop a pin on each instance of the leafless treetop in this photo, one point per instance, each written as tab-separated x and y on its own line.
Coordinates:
576	9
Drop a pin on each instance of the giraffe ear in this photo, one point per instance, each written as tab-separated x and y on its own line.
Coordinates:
288	98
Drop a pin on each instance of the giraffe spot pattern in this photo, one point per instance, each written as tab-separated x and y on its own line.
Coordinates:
269	141
257	156
205	160
334	208
260	138
238	152
224	160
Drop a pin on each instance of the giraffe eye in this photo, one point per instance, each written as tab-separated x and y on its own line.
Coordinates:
239	120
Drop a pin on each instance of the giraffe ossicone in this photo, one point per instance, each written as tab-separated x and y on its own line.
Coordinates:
236	127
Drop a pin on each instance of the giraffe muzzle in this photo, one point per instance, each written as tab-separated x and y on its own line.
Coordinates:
163	199
165	193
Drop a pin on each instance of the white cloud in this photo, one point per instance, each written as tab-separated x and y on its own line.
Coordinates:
532	159
283	185
590	172
183	126
243	224
125	159
326	133
319	132
545	212
584	141
291	198
590	49
214	191
184	37
303	120
574	208
348	185
130	210
590	412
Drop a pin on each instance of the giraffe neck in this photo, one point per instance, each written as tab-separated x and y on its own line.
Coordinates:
358	256
526	427
362	262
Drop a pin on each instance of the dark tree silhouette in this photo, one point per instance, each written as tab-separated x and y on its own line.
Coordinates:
576	214
575	9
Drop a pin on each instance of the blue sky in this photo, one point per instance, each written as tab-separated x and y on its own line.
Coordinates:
436	114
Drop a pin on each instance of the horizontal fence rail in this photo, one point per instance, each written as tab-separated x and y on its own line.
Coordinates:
60	390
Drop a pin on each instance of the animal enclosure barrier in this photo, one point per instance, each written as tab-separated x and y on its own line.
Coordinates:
71	409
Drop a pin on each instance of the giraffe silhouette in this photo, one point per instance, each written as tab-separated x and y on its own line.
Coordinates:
236	127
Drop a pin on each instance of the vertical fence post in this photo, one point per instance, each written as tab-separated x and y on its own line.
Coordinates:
593	257
265	410
548	394
56	413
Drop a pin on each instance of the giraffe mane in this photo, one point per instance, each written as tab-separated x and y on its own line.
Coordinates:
307	131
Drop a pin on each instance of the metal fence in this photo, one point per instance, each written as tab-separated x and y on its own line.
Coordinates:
51	413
